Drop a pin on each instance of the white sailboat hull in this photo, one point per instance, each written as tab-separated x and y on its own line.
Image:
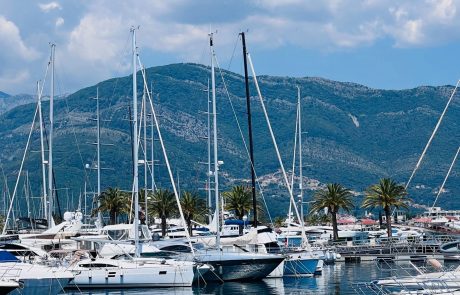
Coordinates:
35	278
106	273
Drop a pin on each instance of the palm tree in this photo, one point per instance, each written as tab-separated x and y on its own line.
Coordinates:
386	194
278	221
164	205
239	200
193	207
313	218
334	197
114	201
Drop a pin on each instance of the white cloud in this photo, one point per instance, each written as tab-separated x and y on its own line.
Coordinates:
12	44
93	36
99	43
15	57
59	21
443	11
47	7
14	79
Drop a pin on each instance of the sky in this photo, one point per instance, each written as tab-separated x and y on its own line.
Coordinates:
385	44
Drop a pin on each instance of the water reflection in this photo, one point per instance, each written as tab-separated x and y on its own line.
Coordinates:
156	291
267	286
336	279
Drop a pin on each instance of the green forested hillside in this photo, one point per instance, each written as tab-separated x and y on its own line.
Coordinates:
355	134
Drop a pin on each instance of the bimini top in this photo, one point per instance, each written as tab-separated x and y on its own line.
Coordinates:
7	257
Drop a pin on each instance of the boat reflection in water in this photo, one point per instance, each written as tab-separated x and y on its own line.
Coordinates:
141	291
267	286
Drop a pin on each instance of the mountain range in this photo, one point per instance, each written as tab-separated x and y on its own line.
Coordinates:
354	135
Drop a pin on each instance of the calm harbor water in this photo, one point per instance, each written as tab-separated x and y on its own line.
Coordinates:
336	279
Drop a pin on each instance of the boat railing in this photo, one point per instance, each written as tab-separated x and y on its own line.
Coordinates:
9	272
366	288
392	246
427	239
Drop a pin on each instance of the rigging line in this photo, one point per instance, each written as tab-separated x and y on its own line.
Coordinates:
432	135
233	53
267	119
293	161
72	128
445	179
11	198
242	137
165	156
142	146
54	176
20	170
7	188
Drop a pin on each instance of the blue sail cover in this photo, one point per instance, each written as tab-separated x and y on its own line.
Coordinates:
234	222
7	257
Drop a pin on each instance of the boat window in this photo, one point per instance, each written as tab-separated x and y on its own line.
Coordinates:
17	250
118	234
264	230
159	254
11	246
96	265
272	247
177	248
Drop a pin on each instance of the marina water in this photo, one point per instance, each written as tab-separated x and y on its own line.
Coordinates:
336	279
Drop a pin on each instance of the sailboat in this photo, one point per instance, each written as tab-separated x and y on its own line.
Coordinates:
33	278
300	261
50	235
132	270
225	265
235	263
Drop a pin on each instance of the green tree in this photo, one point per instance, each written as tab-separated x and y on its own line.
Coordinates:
239	200
312	218
386	194
278	221
163	204
193	207
334	197
114	201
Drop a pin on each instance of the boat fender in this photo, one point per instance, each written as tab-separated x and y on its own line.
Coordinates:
435	263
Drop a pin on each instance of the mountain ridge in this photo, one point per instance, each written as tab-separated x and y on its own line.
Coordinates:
369	133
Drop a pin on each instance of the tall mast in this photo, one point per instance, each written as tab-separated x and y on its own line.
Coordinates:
98	119
144	104
152	155
251	147
84	202
209	173
216	162
42	152
50	148
300	165
135	149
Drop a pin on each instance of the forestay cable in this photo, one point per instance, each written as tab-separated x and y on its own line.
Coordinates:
432	135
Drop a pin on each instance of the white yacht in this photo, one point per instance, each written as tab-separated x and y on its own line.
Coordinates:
33	278
135	272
